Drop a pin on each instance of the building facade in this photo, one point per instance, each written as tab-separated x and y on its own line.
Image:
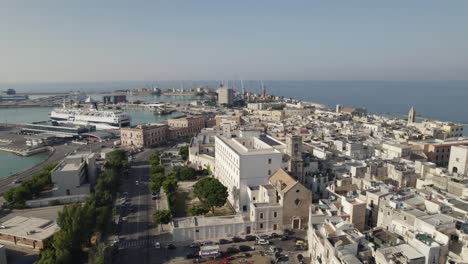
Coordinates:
142	136
242	162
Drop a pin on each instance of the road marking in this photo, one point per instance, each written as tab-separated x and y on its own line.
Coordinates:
139	203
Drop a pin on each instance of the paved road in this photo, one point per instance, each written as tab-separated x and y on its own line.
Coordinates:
138	235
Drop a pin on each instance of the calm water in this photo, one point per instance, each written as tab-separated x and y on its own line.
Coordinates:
11	163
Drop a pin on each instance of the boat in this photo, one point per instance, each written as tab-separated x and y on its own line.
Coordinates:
102	119
162	111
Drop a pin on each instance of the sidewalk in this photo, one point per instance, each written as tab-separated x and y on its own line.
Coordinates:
161	204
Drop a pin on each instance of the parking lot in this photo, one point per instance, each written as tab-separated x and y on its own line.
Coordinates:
234	252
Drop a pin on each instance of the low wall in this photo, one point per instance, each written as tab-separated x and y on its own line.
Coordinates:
56	201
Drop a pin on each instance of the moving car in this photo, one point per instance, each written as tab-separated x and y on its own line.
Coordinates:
16	181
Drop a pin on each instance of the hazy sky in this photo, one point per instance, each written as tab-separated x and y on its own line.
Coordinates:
98	40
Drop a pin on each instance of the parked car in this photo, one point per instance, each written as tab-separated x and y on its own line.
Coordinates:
244	248
274	235
194	245
157	245
262	241
237	239
284	237
282	259
224	241
192	255
301	244
207	243
300	258
137	182
232	250
171	246
249	238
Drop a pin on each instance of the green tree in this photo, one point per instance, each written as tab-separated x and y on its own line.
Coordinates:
170	186
161	217
157	169
186	173
154	159
198	210
184	152
211	192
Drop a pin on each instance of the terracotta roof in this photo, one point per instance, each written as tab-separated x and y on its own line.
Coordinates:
347	110
282	181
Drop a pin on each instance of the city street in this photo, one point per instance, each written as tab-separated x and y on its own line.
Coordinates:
138	235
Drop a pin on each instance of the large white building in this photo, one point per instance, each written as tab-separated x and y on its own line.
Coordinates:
458	162
246	161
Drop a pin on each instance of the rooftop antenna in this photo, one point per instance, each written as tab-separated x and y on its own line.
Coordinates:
242	87
263	89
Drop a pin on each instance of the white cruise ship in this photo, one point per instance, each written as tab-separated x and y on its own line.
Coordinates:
102	119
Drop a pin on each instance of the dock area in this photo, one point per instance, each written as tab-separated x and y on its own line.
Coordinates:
11	141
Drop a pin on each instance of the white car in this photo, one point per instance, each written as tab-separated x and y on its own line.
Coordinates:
137	182
157	245
263	241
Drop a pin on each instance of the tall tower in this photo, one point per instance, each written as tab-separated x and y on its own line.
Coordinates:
294	150
338	108
263	90
411	116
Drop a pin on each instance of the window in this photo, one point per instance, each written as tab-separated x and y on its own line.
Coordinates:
269	172
261	215
297	201
269	161
297	191
244	208
275	214
261	226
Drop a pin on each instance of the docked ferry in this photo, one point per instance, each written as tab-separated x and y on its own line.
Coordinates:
102	119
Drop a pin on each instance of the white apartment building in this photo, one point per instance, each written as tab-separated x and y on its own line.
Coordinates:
458	162
245	161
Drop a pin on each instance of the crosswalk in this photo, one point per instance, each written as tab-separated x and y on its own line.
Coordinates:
135	243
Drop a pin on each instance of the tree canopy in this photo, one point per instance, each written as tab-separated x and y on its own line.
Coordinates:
211	192
27	190
184	152
78	222
161	217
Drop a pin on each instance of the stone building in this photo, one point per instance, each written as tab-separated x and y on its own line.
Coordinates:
187	126
294	197
143	136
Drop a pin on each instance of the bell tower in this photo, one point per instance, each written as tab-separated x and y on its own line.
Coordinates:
294	150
